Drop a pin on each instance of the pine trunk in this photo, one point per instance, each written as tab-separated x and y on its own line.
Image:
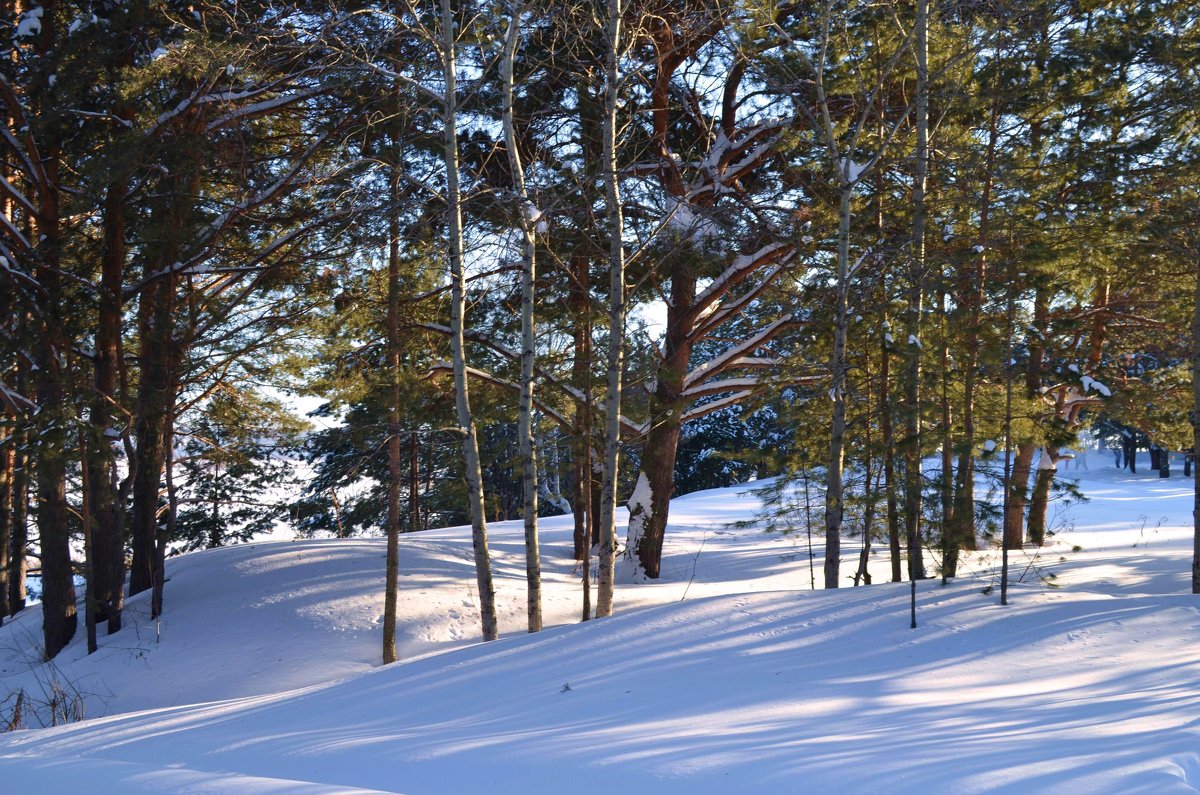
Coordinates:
8	457
889	458
19	542
1196	435
391	585
106	502
912	381
1018	495
1040	501
964	496
950	542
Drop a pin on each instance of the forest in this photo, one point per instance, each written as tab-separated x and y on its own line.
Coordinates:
524	259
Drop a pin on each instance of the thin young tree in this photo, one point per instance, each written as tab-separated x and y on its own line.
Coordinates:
447	44
616	312
529	218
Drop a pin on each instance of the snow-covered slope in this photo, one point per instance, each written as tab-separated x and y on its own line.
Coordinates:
728	677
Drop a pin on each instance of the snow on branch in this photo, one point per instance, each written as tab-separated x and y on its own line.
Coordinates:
724	385
14	401
737	353
713	317
697	412
738	271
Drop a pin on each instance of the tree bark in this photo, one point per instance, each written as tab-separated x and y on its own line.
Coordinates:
1196	434
616	316
964	495
1039	502
1018	495
391	584
19	541
530	217
106	501
950	542
889	456
8	458
466	421
912	385
834	498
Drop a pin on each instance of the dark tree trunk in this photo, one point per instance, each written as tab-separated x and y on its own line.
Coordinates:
1040	501
650	502
578	304
392	567
59	618
153	400
8	457
19	542
106	503
889	462
1196	435
1018	496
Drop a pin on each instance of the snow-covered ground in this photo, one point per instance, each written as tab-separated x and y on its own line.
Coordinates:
727	676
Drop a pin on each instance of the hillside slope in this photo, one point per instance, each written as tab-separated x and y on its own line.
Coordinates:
749	684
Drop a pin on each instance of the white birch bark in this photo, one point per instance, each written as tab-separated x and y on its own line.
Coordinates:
616	317
529	218
474	477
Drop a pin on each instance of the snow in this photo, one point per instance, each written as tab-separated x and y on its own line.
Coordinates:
851	170
1092	385
30	23
727	675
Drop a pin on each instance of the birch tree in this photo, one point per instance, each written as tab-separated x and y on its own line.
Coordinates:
447	42
529	219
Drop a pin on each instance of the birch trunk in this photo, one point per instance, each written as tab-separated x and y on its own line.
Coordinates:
529	218
834	486
616	315
474	476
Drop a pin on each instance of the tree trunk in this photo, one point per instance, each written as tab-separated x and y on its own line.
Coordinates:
166	529
1196	435
107	502
912	381
1018	495
19	542
616	314
154	397
8	458
834	508
964	495
89	553
950	543
1040	501
58	587
474	475
578	304
530	218
889	456
391	584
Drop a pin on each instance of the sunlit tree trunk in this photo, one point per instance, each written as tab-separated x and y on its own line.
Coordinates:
616	315
474	475
530	218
